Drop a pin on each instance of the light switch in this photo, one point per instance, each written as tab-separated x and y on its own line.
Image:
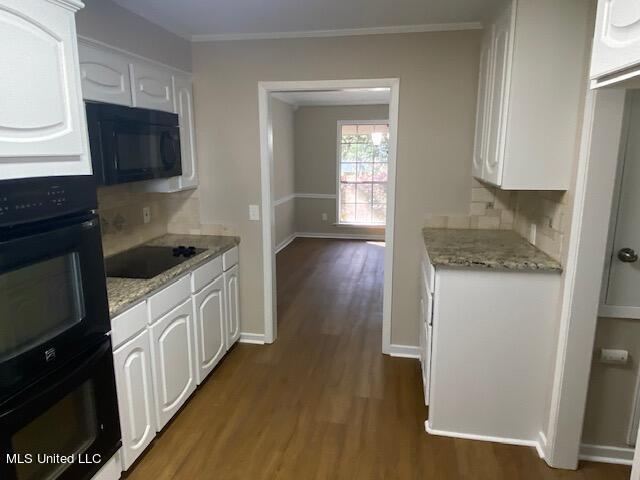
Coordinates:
146	214
254	212
610	355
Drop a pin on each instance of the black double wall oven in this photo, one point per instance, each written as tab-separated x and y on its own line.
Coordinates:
58	405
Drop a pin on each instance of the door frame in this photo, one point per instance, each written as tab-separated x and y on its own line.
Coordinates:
588	243
265	88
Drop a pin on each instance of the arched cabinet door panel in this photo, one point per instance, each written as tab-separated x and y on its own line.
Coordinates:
42	122
105	75
231	286
209	306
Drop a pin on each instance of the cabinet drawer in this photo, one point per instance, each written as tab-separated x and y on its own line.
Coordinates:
230	258
128	324
168	298
207	273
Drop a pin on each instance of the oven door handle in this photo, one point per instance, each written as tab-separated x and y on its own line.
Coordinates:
26	400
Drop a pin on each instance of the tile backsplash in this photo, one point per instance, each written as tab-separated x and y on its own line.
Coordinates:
492	208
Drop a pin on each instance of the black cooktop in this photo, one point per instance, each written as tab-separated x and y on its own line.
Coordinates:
148	261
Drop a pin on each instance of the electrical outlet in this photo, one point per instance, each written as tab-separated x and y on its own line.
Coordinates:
146	214
254	212
325	217
610	355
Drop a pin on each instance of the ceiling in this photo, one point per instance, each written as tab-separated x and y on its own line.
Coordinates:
205	20
363	96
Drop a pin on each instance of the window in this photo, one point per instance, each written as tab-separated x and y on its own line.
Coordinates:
362	172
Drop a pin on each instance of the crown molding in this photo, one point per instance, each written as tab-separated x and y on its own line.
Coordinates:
436	27
73	5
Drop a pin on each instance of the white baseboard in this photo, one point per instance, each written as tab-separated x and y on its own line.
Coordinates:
541	445
606	454
404	351
482	438
341	236
255	338
285	243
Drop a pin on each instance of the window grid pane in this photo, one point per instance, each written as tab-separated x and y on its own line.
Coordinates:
364	152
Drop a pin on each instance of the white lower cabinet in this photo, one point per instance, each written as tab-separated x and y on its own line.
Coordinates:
132	363
173	361
233	306
209	308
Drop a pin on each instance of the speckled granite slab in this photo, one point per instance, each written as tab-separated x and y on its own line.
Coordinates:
124	292
496	249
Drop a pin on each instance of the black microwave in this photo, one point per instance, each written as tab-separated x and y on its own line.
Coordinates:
132	144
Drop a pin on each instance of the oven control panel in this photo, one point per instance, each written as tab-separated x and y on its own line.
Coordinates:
35	199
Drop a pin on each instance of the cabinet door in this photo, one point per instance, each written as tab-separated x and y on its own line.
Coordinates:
132	363
484	99
616	44
105	75
499	100
233	306
151	86
173	361
41	109
183	93
210	327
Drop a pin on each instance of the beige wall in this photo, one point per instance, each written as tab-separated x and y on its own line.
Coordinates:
282	118
108	22
315	145
612	387
438	81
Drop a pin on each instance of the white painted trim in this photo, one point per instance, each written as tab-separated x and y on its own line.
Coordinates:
285	243
404	351
253	338
595	183
285	199
541	445
606	454
73	5
341	236
344	32
330	196
482	438
105	46
266	185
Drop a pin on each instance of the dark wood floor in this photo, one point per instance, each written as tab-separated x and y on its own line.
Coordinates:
323	402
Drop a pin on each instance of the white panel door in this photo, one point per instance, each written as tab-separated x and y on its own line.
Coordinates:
492	169
152	87
173	361
483	102
232	303
616	44
210	327
132	364
183	95
624	274
105	75
41	109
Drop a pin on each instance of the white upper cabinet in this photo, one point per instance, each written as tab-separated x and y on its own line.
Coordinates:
105	75
183	97
152	86
616	43
42	122
531	74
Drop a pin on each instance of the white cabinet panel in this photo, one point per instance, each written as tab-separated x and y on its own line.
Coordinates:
152	87
616	44
209	316
173	361
132	363
41	110
105	75
483	102
233	306
183	91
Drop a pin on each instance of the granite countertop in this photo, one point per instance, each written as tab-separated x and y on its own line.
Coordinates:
124	292
494	249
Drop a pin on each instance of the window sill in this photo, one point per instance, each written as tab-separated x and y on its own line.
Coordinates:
363	225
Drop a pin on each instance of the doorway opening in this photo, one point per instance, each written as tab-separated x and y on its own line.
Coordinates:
348	196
